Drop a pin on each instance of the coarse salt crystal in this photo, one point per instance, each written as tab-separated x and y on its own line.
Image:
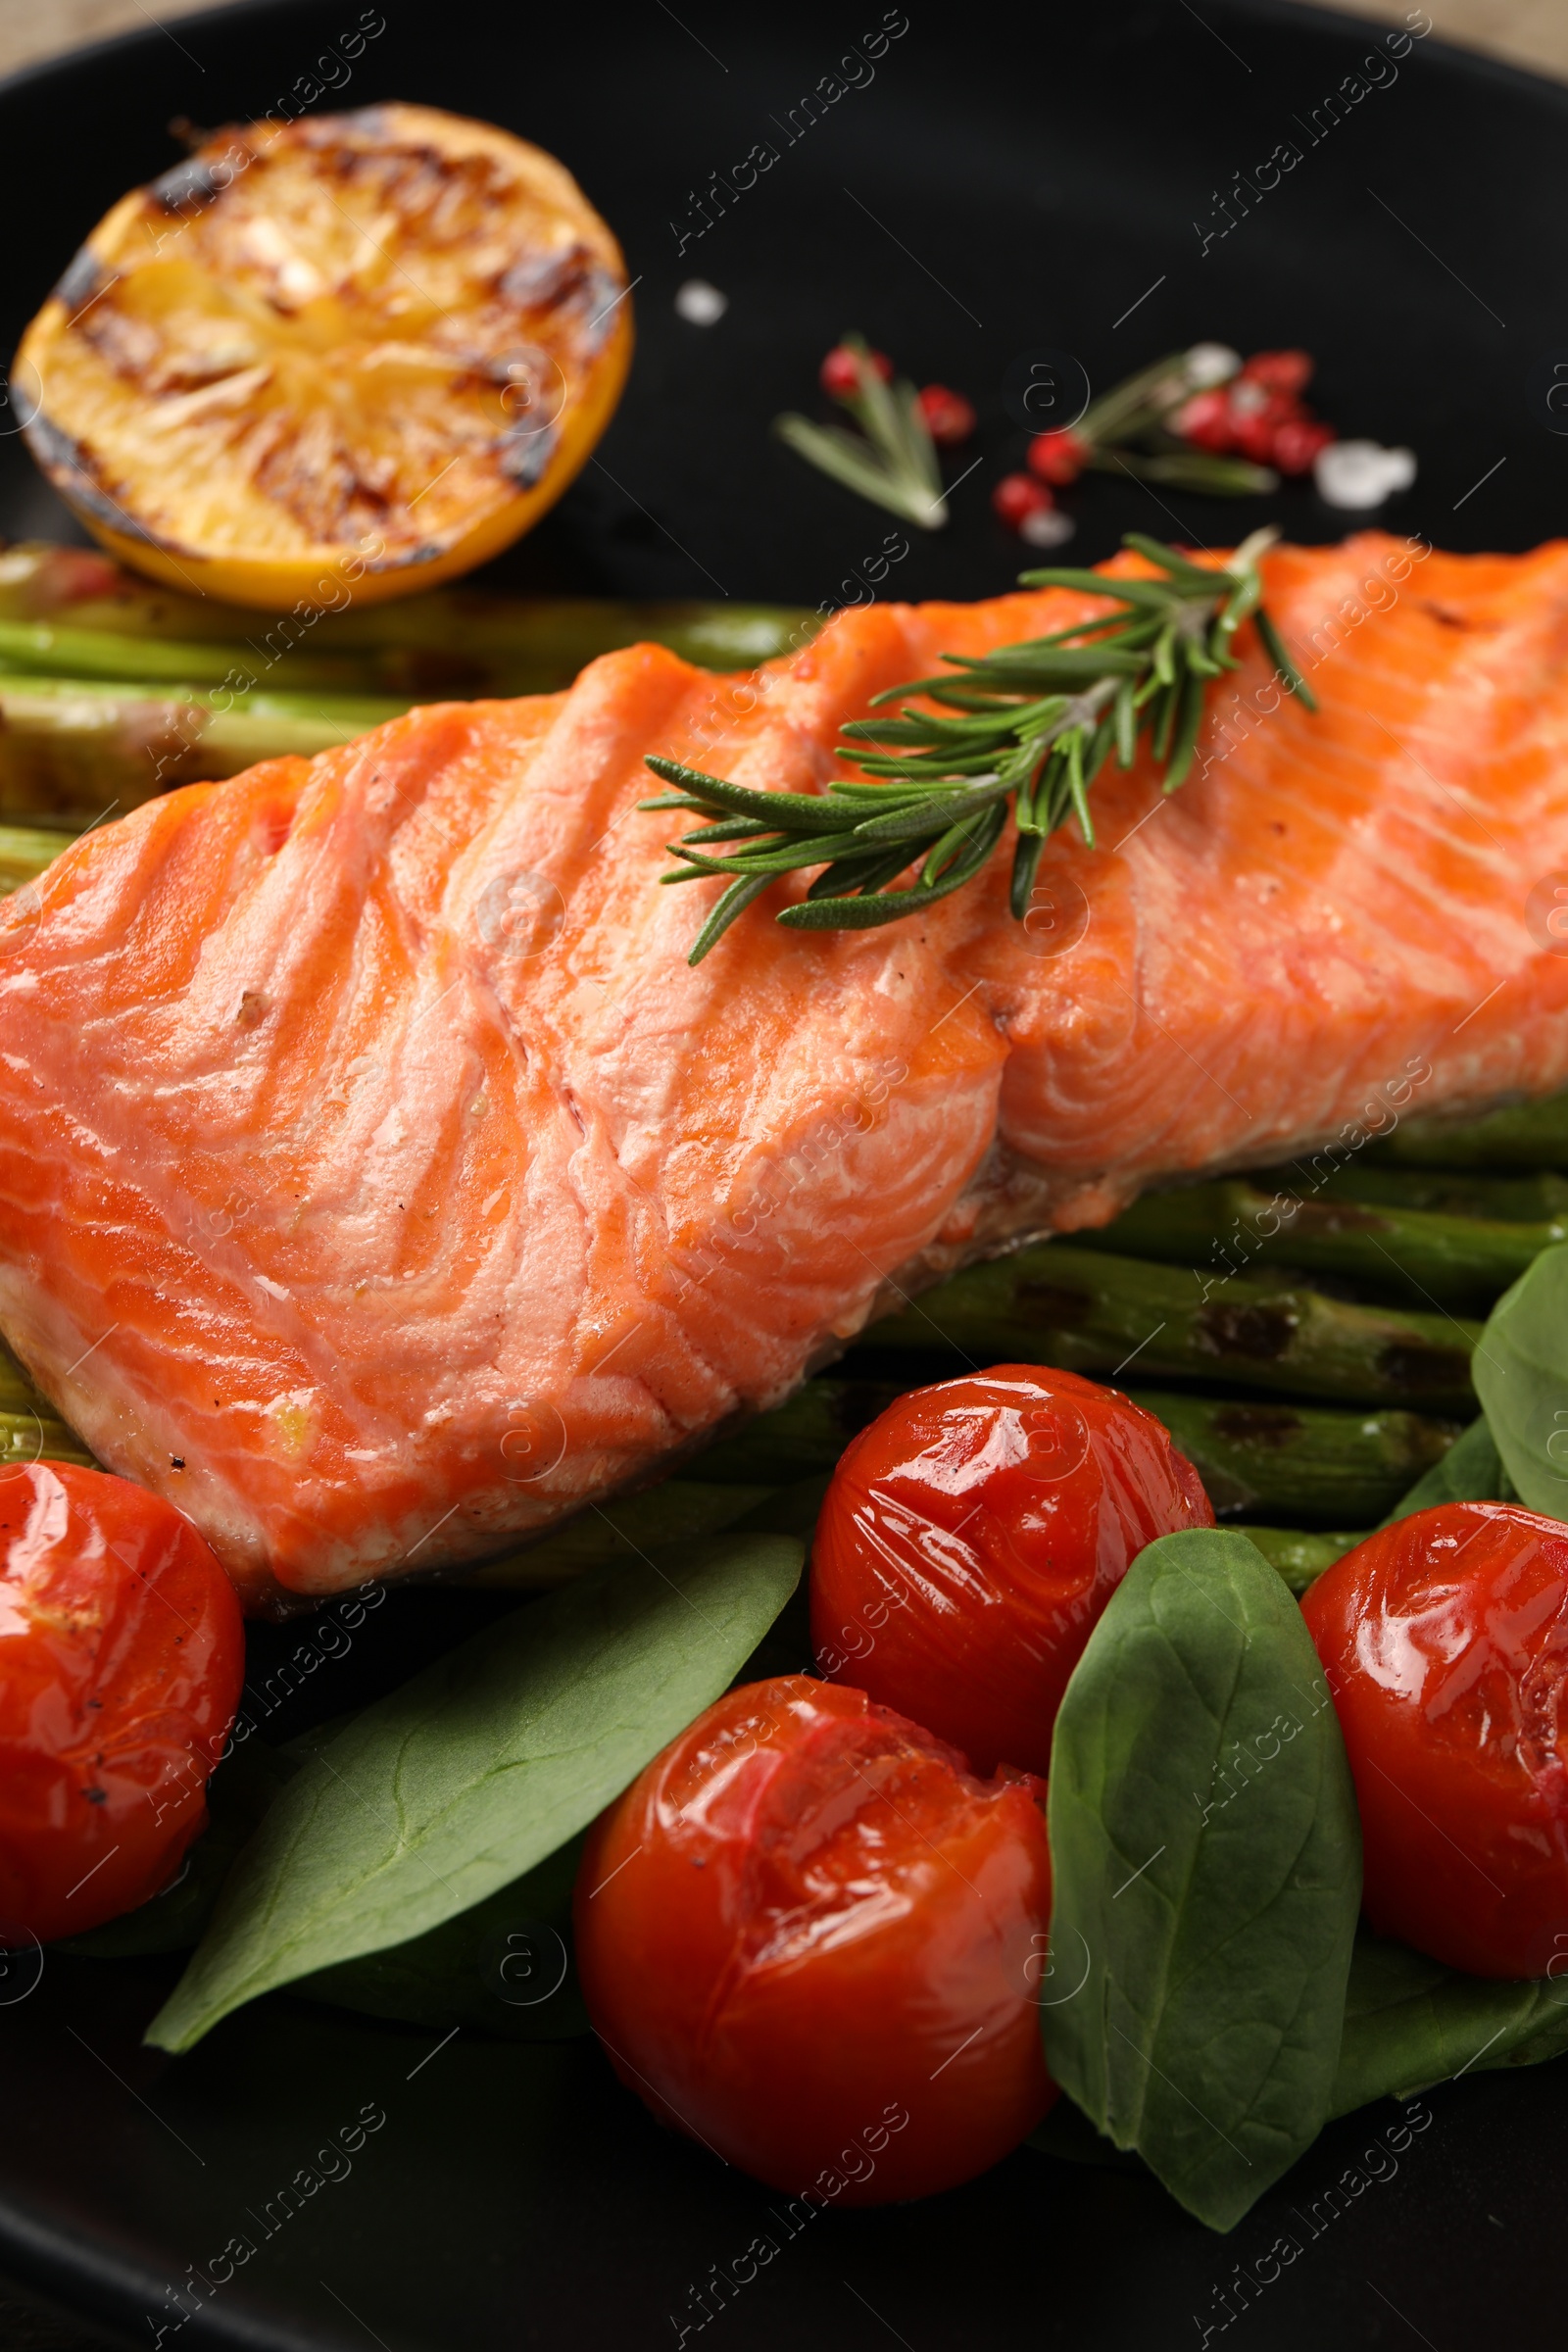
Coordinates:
700	304
1046	526
1357	475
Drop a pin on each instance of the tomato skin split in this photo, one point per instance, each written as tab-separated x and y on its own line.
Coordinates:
122	1657
971	1537
810	1940
1445	1643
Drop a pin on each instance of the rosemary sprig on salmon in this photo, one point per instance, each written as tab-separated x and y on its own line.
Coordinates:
1037	722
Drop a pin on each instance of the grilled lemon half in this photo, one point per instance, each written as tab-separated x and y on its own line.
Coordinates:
370	348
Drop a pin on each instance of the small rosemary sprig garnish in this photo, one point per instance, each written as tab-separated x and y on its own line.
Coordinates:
1038	722
891	460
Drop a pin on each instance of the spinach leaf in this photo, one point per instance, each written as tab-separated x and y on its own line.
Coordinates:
1471	1471
1521	1376
505	1968
1410	2022
449	1787
1207	1853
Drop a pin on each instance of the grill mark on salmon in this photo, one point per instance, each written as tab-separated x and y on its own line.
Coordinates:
367	1145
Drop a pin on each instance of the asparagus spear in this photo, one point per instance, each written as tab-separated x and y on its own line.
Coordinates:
1533	1134
1538	1200
30	1437
24	854
1094	1313
1460	1262
16	1391
1308	1464
30	1430
1305	1462
71	748
43	649
62	609
1299	1557
801	1437
624	1527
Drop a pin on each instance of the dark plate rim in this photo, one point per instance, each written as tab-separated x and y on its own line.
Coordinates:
84	2276
1300	16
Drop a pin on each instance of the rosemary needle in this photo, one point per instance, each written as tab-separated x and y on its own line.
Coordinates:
1035	723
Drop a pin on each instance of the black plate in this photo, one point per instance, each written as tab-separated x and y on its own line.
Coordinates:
992	185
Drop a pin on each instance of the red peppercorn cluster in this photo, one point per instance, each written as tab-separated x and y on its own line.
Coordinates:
1059	458
1054	461
950	419
840	372
1258	414
1016	497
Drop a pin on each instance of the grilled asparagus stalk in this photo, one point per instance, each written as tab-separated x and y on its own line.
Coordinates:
32	1437
71	612
1519	1141
1295	1464
801	1437
25	852
1304	1465
1092	1311
621	1529
16	1391
1538	1199
1417	1255
1300	1558
72	749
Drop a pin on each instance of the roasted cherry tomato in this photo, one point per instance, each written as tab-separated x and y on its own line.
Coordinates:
809	1939
121	1654
971	1537
1445	1642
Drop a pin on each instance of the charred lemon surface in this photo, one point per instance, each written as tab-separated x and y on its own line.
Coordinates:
374	346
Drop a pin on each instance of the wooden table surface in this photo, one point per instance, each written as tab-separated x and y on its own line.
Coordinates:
1530	32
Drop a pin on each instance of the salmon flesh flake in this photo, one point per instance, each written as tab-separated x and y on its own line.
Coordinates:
379	1183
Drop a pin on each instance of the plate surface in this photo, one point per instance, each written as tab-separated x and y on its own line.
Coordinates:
992	187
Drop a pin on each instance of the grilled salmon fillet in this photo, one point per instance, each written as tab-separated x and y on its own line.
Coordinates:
379	1183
